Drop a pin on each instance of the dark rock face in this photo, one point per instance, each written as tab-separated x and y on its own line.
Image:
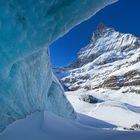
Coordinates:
88	99
128	79
135	126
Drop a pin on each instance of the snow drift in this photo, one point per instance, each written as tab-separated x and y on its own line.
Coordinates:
30	129
27	84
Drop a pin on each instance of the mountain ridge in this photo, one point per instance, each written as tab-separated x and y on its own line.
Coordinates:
107	51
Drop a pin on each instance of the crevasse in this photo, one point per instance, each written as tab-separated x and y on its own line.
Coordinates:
27	27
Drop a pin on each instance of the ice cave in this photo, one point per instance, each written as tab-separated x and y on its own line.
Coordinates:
27	83
26	30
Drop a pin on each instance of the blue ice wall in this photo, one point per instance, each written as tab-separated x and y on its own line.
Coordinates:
27	27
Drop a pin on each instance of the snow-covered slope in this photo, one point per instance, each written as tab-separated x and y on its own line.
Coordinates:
27	27
122	111
111	60
104	81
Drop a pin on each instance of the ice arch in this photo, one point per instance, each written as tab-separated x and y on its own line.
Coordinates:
27	27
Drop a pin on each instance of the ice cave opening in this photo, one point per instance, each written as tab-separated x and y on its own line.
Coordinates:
27	28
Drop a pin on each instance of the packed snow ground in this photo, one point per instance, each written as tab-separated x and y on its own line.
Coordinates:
100	121
120	110
46	126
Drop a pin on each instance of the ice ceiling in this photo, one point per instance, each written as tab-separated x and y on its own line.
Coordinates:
27	27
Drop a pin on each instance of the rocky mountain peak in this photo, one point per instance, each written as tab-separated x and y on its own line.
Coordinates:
101	26
111	60
101	30
106	40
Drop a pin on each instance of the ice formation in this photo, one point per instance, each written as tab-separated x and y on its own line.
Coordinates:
26	29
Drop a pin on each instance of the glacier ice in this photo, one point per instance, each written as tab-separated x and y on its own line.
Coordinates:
32	87
26	29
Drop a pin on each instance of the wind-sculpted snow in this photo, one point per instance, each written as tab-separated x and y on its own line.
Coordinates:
26	28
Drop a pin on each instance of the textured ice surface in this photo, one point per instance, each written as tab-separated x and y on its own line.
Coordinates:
26	28
32	87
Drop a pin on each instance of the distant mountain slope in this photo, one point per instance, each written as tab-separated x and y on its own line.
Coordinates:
111	61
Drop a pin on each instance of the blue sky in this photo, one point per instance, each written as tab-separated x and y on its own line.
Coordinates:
124	16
